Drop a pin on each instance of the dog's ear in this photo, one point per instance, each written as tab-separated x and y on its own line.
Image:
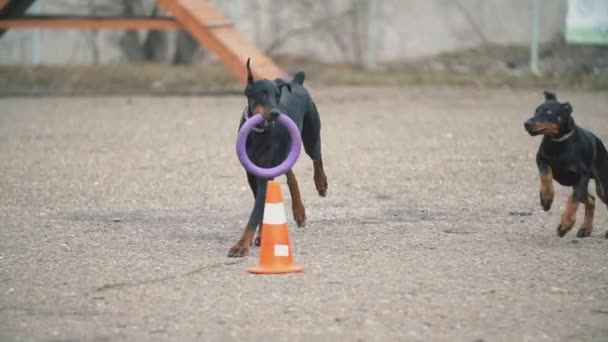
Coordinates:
247	91
549	95
280	83
569	125
567	108
249	73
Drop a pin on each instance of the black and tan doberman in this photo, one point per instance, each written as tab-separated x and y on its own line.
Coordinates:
268	145
572	156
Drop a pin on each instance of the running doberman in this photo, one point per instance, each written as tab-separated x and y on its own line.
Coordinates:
572	156
268	145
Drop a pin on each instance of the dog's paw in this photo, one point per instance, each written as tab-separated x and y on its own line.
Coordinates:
300	218
546	204
299	215
321	183
562	230
546	201
583	232
258	240
238	251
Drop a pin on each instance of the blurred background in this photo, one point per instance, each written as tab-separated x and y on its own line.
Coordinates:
393	42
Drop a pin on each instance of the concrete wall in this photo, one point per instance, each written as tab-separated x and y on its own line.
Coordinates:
331	31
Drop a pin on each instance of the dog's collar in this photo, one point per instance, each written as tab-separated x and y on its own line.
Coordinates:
246	117
564	137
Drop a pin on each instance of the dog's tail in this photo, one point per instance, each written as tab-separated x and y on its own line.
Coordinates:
601	158
298	78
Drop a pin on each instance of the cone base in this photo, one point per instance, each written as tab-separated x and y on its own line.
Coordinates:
275	269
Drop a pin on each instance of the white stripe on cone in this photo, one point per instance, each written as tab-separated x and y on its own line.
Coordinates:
274	213
281	250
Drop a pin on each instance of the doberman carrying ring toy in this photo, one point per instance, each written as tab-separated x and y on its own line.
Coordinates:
292	157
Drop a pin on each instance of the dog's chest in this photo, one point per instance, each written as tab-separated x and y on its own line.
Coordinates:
269	148
566	172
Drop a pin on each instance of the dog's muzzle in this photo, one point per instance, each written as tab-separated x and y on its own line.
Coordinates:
262	127
274	114
529	126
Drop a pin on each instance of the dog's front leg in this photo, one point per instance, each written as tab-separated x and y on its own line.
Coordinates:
546	185
579	194
241	248
582	195
599	189
297	206
587	226
568	216
320	177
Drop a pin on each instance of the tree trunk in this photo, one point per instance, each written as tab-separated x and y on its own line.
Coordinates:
129	42
185	48
155	44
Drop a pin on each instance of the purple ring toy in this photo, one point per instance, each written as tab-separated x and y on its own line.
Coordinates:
292	157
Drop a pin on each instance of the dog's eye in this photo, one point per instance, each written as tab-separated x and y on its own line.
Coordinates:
265	93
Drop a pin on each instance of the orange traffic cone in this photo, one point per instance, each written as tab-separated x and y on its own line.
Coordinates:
275	250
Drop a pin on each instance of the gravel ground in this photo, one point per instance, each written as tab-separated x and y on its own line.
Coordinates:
116	215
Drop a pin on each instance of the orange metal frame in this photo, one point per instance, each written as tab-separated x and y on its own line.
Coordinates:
199	17
66	22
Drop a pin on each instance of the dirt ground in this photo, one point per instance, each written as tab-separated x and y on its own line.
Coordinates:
116	215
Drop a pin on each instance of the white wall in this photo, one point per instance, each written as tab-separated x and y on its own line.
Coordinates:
331	31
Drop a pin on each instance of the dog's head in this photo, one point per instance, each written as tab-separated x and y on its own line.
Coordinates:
263	96
551	118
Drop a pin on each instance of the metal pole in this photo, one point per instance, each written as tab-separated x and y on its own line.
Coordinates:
372	34
236	12
37	8
535	37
